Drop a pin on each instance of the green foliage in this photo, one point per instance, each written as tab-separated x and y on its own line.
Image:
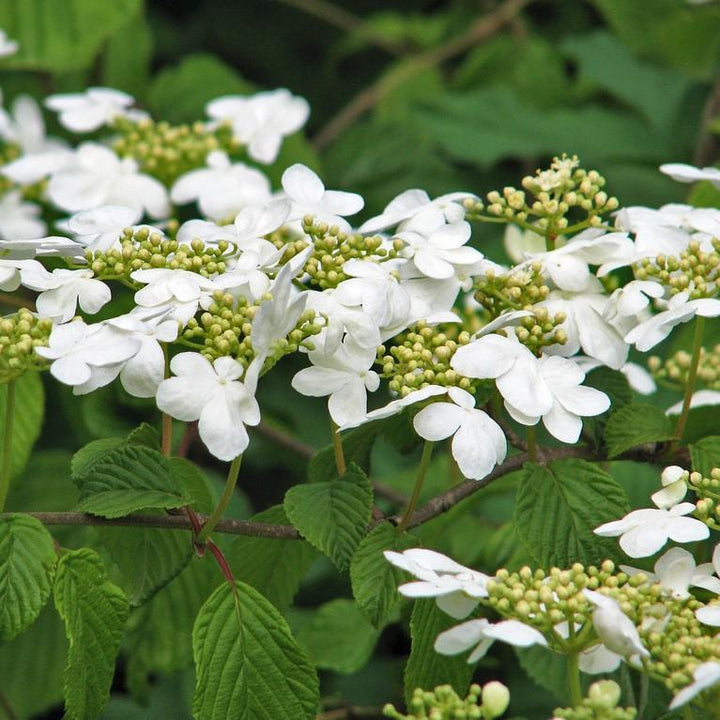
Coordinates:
28	415
57	37
333	516
248	664
357	445
615	385
559	506
94	612
27	565
705	454
426	668
374	579
635	425
338	637
274	567
127	479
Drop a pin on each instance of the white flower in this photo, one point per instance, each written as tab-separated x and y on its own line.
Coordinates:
262	120
676	572
100	229
409	203
96	176
213	394
19	219
674	487
481	634
701	398
63	290
87	356
478	444
705	675
88	111
11	272
639	379
633	298
222	188
615	629
455	587
7	46
643	532
689	173
309	197
680	309
345	376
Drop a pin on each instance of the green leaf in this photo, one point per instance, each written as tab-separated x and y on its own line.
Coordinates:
27	564
88	455
39	652
145	435
425	668
560	505
338	637
249	666
333	516
701	422
548	669
27	417
61	36
94	612
160	631
705	454
374	579
357	445
194	484
128	479
148	558
274	567
635	425
615	385
179	94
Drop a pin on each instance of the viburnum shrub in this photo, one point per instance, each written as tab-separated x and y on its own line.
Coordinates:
178	270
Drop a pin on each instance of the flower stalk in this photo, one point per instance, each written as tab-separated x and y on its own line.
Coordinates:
227	495
338	448
422	471
692	375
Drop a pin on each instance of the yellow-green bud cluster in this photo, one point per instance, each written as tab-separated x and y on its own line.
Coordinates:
518	289
143	250
332	248
422	357
694	271
552	200
168	151
20	334
601	703
707	490
8	153
300	336
540	330
674	371
443	703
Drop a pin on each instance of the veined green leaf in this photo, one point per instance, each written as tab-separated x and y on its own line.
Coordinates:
94	612
635	425
249	666
705	454
27	564
28	414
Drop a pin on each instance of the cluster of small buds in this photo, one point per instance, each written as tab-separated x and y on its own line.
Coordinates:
694	271
142	249
422	357
674	371
540	330
8	153
601	703
518	289
443	703
168	151
332	248
20	334
707	490
556	193
300	337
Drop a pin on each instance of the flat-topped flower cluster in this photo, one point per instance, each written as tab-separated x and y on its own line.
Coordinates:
404	297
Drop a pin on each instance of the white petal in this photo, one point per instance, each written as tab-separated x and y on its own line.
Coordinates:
462	637
457	604
516	633
438	421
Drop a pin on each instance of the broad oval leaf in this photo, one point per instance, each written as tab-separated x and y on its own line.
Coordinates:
27	564
248	665
635	425
94	612
559	506
705	454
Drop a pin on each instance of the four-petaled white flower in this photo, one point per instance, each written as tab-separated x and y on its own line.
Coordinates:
212	394
262	120
644	532
478	443
456	588
90	110
481	634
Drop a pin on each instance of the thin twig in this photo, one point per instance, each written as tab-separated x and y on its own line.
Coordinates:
345	20
170	522
280	438
479	31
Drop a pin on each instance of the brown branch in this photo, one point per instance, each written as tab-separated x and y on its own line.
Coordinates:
286	441
345	20
480	31
170	522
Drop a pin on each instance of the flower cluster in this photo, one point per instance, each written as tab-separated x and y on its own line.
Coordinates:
443	703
